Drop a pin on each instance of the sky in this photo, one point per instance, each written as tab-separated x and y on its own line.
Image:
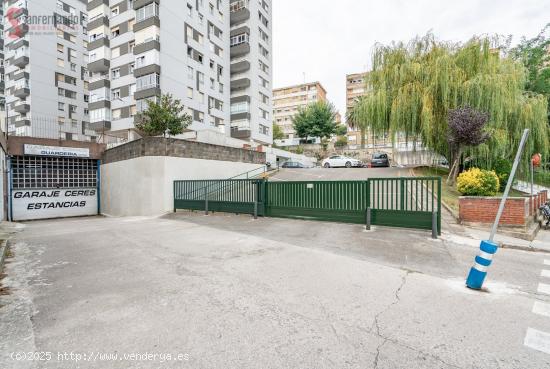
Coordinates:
327	39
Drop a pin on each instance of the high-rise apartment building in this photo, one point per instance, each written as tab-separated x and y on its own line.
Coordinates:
140	49
288	100
355	87
251	71
46	87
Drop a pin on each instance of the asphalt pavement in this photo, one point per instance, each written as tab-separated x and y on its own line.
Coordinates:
226	291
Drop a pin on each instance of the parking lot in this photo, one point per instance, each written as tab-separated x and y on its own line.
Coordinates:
232	292
334	174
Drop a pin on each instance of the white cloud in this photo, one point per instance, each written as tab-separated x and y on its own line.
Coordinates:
328	39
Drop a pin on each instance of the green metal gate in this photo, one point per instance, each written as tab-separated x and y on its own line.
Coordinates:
243	196
397	202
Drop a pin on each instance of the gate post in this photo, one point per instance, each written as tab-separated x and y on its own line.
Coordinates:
205	200
434	225
369	218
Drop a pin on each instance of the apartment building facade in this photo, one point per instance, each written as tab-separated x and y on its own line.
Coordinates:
45	74
288	100
141	49
355	88
251	71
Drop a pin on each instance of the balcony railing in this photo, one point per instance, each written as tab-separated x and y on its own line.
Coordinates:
238	5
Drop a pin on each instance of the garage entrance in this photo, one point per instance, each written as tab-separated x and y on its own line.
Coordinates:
53	182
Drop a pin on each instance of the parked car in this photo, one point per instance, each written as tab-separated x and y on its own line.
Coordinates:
294	165
380	160
336	161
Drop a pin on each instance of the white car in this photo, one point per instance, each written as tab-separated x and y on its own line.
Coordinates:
336	161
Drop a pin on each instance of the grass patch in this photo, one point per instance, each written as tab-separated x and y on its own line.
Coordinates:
449	194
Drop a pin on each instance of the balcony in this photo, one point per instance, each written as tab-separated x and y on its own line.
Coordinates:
240	67
98	41
96	3
99	82
101	126
99	66
22	108
21	61
239	11
147	93
22	122
21	92
98	21
240	49
240	84
240	133
20	75
146	46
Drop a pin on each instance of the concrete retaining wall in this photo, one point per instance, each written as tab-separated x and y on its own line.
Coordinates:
137	178
144	186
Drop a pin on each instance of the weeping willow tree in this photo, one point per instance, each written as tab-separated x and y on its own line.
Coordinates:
413	86
357	119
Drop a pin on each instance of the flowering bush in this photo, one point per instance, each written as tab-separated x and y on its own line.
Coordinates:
478	182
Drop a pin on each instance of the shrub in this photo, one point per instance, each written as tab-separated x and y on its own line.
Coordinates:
502	168
478	182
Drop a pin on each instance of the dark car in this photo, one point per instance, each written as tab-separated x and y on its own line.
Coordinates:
294	165
380	160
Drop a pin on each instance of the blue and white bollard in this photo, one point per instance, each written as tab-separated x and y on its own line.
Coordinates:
477	275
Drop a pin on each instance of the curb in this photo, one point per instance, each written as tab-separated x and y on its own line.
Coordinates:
524	248
3	253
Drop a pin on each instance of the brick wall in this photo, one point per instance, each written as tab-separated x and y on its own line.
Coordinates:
158	146
484	210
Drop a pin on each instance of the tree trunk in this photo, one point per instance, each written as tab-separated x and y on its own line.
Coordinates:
455	168
362	138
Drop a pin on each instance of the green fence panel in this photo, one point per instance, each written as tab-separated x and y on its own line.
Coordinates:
342	201
228	195
396	202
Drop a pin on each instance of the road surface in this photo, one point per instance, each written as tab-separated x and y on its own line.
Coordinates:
228	291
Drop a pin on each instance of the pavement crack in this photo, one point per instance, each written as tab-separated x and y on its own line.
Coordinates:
376	324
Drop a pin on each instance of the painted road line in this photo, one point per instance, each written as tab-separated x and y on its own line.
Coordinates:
544	288
541	308
545	273
547	262
537	340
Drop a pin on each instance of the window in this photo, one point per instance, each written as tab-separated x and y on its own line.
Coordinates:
115	11
147	81
240	107
190	73
264	130
61	106
117	114
115	73
60	48
239	39
189	92
61	92
115	94
264	114
147	11
73	67
115	31
60	63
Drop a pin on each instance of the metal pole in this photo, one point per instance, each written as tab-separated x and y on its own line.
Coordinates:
532	177
434	225
369	218
205	200
487	249
509	184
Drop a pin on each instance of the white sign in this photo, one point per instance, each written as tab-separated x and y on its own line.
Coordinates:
70	152
57	203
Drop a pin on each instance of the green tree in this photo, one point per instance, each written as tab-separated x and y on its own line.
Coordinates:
315	120
535	56
413	87
356	118
165	117
278	133
341	141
